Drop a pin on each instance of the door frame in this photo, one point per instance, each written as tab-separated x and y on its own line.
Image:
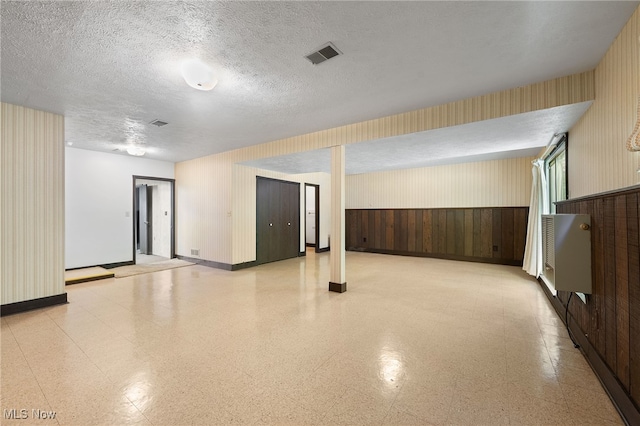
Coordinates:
173	210
317	196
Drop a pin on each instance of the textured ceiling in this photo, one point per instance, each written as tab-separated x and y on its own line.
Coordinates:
516	136
112	67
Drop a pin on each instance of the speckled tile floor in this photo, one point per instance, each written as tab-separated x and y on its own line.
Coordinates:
412	341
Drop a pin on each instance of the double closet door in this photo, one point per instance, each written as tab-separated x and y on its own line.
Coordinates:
278	220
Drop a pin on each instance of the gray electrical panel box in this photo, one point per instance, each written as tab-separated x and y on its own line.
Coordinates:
566	251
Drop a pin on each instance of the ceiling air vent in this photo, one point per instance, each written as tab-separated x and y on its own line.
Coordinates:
159	123
327	52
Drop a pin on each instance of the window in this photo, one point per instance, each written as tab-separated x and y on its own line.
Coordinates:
556	165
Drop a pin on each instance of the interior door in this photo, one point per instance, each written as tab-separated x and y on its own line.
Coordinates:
144	229
277	220
263	221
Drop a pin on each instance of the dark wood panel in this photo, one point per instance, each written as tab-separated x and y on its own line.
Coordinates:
464	234
468	232
611	318
389	237
411	230
497	233
402	220
352	222
622	291
427	234
459	231
379	227
450	233
610	281
599	310
442	231
477	235
371	238
364	220
633	227
519	232
507	232
486	233
419	231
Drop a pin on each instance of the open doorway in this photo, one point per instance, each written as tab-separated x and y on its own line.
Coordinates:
312	215
153	219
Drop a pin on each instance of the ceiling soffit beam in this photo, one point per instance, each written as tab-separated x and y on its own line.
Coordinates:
566	90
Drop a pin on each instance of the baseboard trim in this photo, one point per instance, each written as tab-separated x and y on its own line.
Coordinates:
117	264
244	265
29	305
302	253
621	400
338	287
209	263
508	262
323	249
88	279
310	245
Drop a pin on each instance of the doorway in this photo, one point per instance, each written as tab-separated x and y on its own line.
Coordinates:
312	215
153	219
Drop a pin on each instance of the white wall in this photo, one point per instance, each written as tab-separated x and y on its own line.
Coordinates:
99	205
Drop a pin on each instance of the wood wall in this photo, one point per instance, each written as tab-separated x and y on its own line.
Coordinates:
611	317
492	235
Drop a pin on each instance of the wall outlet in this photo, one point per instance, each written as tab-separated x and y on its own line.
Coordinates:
195	252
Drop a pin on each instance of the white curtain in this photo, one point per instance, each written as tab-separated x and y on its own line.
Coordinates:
538	206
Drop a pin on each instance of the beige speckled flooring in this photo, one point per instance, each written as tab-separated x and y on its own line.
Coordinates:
412	341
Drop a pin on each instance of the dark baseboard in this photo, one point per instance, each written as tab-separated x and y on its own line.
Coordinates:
88	279
117	264
29	305
244	265
337	287
621	400
310	245
302	253
209	263
323	249
496	261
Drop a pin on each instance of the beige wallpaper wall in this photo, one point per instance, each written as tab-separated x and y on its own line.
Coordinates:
205	187
598	159
498	183
32	204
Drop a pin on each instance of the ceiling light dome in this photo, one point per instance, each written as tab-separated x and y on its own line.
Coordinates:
136	150
198	75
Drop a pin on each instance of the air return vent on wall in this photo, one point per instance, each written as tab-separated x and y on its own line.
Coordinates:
325	53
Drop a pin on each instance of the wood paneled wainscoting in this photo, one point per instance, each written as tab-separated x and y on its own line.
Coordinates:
608	325
491	235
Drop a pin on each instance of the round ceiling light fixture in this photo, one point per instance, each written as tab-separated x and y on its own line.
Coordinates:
136	150
198	75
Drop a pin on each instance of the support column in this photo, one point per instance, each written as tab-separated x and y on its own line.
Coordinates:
337	281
